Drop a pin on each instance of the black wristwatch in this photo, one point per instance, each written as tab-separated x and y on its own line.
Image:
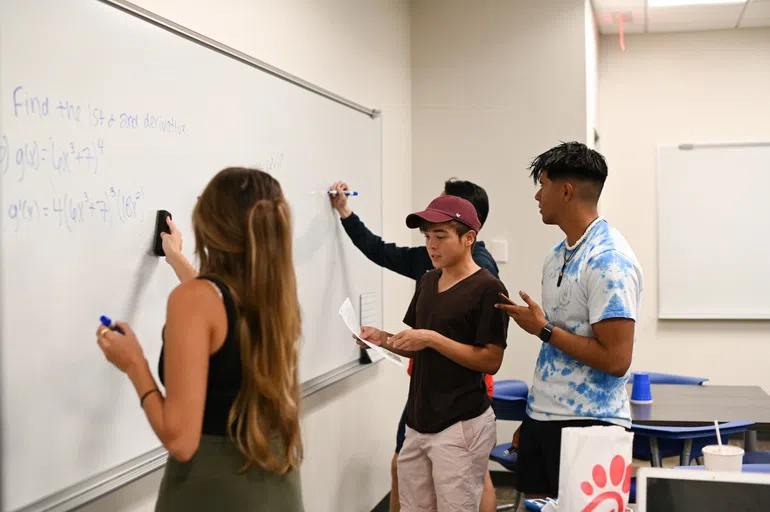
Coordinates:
545	333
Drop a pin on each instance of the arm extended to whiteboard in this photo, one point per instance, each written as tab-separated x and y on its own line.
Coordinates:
172	246
195	314
183	269
410	262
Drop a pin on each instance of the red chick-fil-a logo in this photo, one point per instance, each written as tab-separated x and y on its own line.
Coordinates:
620	473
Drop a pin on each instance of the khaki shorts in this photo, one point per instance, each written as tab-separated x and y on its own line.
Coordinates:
444	472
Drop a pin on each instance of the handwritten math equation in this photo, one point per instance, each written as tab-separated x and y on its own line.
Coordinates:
273	163
49	155
68	211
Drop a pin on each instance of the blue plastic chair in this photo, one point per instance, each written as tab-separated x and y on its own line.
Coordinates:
756	458
509	402
670	378
686	437
508	389
669	447
747	468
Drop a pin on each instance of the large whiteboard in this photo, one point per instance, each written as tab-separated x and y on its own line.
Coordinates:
105	118
714	231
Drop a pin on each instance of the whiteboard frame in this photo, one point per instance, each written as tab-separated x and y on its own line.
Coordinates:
691	146
113	479
195	37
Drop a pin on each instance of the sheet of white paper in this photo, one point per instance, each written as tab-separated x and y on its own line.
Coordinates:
348	315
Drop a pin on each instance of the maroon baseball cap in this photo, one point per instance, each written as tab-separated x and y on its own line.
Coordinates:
445	208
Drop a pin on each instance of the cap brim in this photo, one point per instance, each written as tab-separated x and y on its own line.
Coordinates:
414	220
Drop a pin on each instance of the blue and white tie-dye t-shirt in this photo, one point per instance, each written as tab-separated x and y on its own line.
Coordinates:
602	280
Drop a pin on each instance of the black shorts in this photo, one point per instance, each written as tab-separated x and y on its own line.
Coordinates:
401	432
539	451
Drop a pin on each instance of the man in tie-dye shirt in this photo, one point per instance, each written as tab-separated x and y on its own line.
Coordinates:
591	289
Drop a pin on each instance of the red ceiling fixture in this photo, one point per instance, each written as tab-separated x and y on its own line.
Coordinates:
621	20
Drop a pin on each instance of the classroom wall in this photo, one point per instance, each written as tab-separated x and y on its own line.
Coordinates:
359	50
494	84
670	88
592	73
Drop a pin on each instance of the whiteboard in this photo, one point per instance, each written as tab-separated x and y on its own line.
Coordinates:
105	118
713	231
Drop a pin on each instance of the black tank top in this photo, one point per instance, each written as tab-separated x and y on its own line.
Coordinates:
224	379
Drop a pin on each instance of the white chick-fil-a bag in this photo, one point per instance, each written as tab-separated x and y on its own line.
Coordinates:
595	469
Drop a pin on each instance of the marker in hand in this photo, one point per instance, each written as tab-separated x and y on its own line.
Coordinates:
347	193
105	320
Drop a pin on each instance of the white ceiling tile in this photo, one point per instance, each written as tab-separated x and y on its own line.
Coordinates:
695	26
757	14
687	18
617	5
677	19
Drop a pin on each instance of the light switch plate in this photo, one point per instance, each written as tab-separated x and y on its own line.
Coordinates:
499	250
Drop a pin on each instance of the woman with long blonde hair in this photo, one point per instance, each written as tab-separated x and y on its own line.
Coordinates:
229	363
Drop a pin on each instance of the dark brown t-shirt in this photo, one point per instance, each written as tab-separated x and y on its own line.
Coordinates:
442	392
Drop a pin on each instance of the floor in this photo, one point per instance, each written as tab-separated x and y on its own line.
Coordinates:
504	484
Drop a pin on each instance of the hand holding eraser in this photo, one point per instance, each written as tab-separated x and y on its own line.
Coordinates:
161	226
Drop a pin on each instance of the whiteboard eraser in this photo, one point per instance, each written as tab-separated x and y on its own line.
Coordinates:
161	226
499	250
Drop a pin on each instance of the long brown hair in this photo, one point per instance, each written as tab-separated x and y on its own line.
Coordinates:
243	235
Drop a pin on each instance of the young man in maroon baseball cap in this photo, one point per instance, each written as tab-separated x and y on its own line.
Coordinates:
457	335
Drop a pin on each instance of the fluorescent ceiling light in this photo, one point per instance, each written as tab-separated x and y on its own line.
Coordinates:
676	3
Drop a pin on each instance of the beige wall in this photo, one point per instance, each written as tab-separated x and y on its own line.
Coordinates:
670	88
495	83
592	73
359	50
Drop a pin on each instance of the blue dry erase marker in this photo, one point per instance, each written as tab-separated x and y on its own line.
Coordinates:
347	193
105	320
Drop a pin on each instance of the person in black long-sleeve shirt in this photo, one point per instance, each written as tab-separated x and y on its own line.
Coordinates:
414	262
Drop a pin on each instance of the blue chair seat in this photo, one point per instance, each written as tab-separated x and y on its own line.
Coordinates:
507	461
511	389
756	458
668	378
510	400
747	468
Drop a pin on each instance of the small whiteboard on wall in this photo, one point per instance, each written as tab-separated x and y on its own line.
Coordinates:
714	231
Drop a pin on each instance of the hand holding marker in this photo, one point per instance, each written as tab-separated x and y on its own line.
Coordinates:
105	320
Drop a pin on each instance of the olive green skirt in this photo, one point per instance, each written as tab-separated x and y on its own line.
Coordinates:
211	482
